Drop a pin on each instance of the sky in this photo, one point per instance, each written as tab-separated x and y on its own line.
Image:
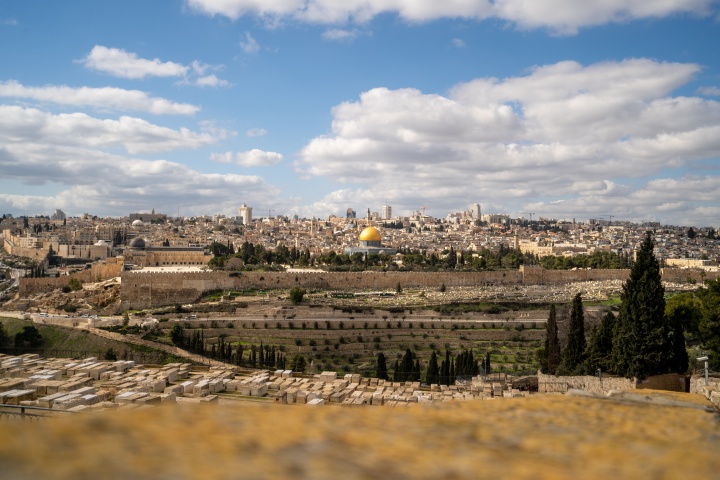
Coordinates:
558	108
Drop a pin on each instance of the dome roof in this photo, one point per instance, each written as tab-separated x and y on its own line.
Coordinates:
137	242
137	223
370	234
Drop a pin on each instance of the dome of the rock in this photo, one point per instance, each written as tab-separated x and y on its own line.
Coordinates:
370	234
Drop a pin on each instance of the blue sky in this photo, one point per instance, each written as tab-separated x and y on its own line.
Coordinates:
565	109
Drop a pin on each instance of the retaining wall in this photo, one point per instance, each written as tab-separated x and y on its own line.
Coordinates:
558	384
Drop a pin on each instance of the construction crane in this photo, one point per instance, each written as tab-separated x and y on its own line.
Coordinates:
422	209
530	214
270	212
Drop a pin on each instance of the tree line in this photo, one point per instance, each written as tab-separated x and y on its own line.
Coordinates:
257	256
647	336
408	368
255	356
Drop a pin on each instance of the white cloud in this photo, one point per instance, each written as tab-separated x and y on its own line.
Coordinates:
458	42
339	34
120	63
11	22
116	185
561	16
256	132
211	81
30	126
251	158
86	159
100	98
554	138
709	91
249	45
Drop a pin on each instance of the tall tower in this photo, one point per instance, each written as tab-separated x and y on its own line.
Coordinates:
476	214
386	212
245	213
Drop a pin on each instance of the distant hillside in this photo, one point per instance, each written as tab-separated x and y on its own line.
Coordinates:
75	343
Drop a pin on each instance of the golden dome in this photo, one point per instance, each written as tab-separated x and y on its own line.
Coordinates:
370	234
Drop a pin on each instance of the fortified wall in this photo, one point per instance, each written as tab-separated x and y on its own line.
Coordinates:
97	273
143	290
535	275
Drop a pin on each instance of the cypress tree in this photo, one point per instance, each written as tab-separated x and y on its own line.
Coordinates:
552	343
486	363
679	361
574	354
599	349
396	373
445	370
407	366
433	373
642	341
381	369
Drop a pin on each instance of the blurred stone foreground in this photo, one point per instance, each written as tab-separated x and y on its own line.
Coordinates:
649	435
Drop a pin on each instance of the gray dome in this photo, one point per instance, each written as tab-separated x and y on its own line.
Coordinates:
137	242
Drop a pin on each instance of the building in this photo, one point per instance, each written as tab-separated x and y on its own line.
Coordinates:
59	215
386	212
370	241
245	213
476	213
140	255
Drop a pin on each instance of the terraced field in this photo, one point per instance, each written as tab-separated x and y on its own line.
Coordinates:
351	345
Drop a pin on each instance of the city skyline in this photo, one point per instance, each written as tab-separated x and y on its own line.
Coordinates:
306	107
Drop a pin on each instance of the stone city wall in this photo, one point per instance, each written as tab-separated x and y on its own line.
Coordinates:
32	253
142	290
97	273
145	289
683	275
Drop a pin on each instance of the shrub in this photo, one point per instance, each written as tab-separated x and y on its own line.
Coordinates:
75	284
296	295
